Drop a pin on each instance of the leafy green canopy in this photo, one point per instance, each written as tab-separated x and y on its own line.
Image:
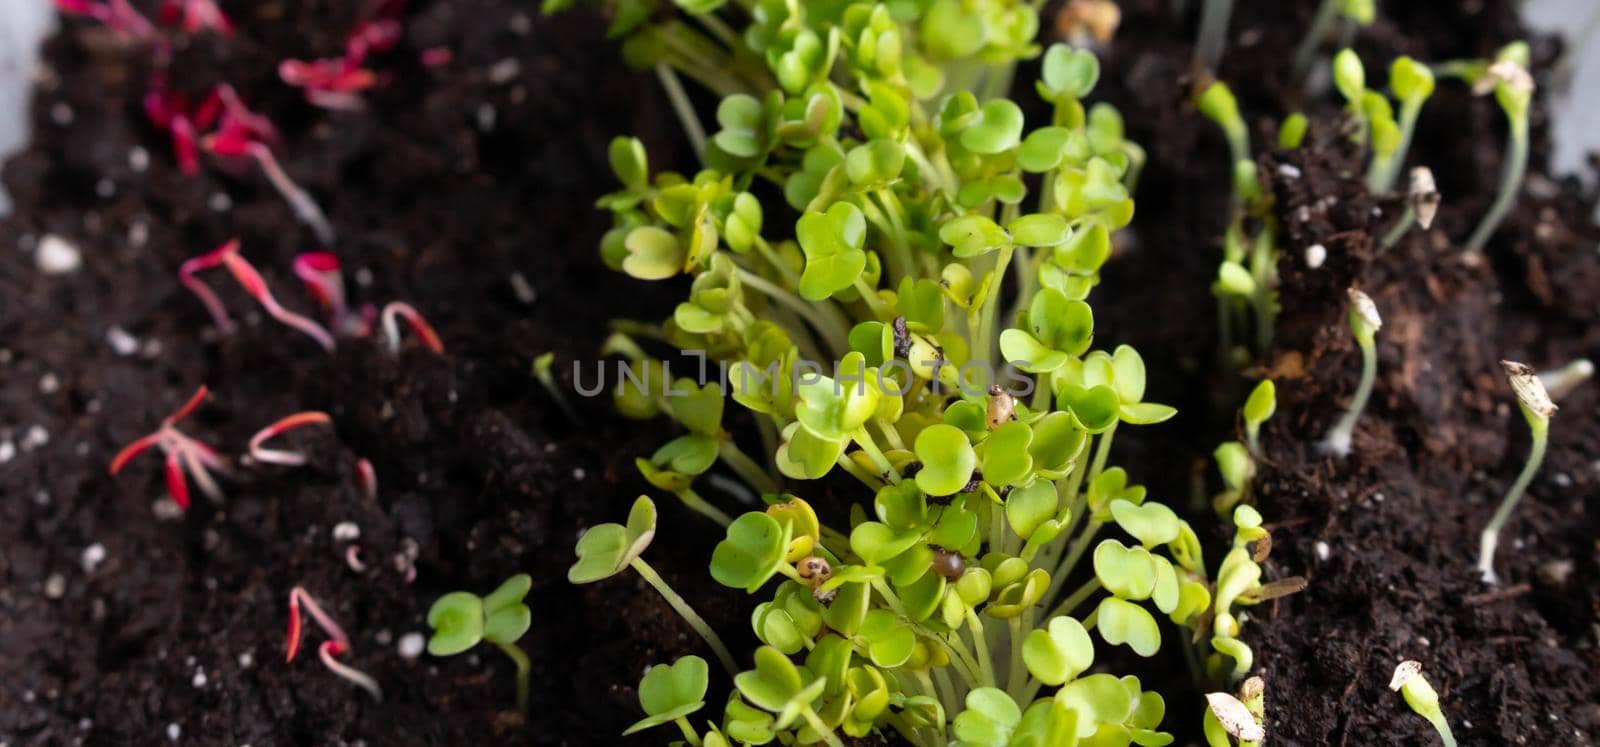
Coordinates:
968	398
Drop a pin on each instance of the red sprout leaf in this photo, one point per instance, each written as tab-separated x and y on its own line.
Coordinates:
419	327
117	15
185	457
337	644
247	277
279	456
367	478
196	15
321	273
233	140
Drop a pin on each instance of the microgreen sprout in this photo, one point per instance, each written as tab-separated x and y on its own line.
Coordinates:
279	456
669	693
338	82
321	272
1561	381
461	620
419	327
1537	408
1422	698
367	478
1233	717
183	453
338	643
245	273
236	139
543	367
1508	79
1364	325
1263	402
607	549
1412	83
1422	204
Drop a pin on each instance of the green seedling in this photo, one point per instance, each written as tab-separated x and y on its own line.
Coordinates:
1227	716
1364	325
1508	79
928	236
1420	695
1422	204
669	693
1356	13
1218	105
606	550
544	371
1261	405
1537	408
461	620
1412	83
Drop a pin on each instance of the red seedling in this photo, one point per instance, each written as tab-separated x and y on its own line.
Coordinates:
245	134
320	271
118	15
184	454
337	82
337	644
196	15
228	255
419	327
367	478
278	456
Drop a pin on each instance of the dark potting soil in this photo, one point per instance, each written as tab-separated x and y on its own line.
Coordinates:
459	177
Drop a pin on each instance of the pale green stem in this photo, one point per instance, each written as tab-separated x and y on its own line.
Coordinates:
1078	597
688	731
747	469
683	108
838	339
1102	453
1015	676
822	729
991	303
948	695
854	470
1213	33
703	507
981	644
523	667
1384	172
1510	183
1320	23
1491	533
1079	547
864	440
1339	438
869	296
1407	220
687	613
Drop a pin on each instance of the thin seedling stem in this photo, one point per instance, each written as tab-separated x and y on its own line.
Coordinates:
283	457
1510	184
687	613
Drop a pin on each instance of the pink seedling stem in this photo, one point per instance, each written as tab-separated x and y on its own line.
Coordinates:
228	256
196	15
419	327
321	273
367	478
279	456
337	644
236	142
183	453
118	15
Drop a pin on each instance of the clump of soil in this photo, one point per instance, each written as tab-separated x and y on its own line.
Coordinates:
461	187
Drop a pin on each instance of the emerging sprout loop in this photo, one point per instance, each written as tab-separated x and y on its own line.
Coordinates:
337	643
